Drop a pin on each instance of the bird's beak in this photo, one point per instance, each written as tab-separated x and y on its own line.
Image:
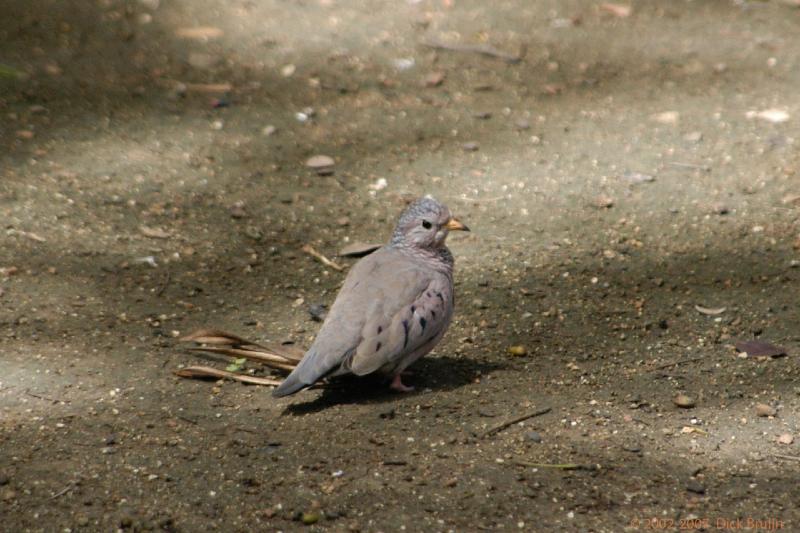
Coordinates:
455	225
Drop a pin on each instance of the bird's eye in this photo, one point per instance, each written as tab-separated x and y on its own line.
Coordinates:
426	224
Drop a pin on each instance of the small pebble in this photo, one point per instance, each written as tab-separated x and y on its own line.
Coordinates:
322	164
683	401
125	521
517	350
693	137
603	202
317	312
720	209
237	210
320	161
309	518
695	486
533	436
765	410
434	79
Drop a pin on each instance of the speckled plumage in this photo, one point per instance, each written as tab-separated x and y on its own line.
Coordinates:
394	307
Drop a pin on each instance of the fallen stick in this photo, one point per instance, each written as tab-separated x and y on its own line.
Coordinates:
271	360
202	372
164	283
307	248
204	88
563	466
504	425
482	49
62	491
704	168
676	363
218	342
45	398
218	338
787	457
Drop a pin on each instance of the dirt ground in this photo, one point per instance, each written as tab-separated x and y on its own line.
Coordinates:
617	170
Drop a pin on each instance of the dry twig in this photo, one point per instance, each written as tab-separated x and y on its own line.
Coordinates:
509	423
676	363
787	457
307	248
562	466
209	372
482	49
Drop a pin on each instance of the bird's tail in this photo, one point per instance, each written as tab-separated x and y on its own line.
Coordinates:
283	358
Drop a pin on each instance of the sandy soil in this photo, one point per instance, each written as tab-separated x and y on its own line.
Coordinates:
618	175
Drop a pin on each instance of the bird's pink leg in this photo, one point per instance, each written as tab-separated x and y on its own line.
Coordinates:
397	384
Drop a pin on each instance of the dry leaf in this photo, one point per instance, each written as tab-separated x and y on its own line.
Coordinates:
153	233
757	348
618	10
711	311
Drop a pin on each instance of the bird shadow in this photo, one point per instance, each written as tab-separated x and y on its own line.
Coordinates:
437	373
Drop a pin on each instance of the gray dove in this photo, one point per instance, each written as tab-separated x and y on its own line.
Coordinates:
393	308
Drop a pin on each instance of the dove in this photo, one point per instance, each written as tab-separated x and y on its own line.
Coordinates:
393	308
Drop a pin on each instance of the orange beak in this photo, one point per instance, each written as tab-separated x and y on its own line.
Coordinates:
455	225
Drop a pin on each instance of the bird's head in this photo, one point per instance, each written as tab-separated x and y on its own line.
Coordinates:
425	224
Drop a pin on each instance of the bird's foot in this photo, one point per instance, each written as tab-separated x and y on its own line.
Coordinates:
397	384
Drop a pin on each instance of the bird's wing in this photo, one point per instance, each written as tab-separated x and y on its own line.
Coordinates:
378	294
388	337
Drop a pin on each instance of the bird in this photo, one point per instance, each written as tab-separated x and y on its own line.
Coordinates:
393	308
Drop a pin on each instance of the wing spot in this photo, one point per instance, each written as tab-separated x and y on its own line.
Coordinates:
423	322
380	330
378	347
439	295
405	330
433	313
413	308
